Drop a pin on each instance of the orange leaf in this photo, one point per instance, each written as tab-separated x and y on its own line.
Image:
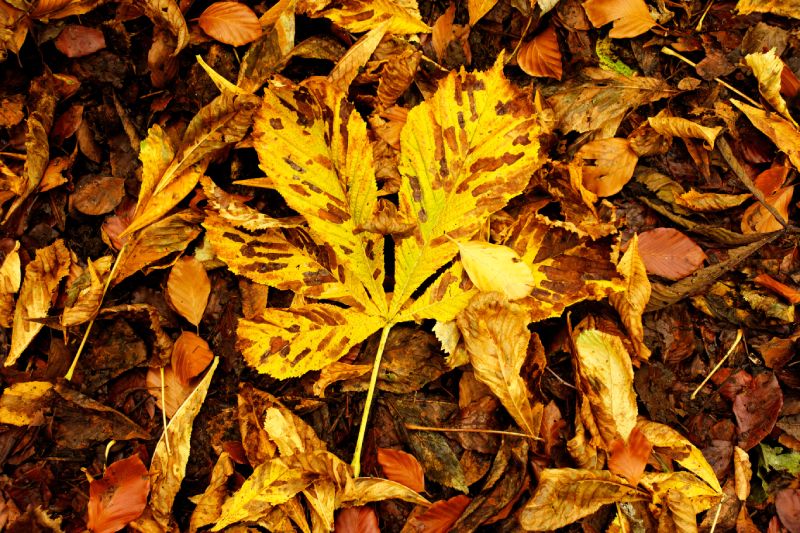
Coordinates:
756	218
628	459
356	520
765	280
175	393
668	253
119	497
630	17
79	41
402	467
188	288
772	179
614	161
190	356
790	85
442	32
230	23
541	55
441	515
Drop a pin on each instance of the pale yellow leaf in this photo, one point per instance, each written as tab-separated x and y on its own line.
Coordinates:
780	131
767	68
786	8
681	127
496	268
42	277
700	497
358	16
631	303
742	472
11	271
188	288
230	23
496	337
21	403
565	495
208	505
605	379
709	201
478	8
443	299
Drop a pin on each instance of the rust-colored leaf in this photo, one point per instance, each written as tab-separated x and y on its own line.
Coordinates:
188	288
356	520
628	458
190	356
541	55
614	161
78	41
119	497
668	253
230	23
402	467
440	517
791	294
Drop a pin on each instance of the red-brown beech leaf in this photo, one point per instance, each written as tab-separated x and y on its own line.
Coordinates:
756	408
787	503
230	23
190	356
440	516
402	467
628	459
765	280
356	520
119	497
541	56
668	253
79	41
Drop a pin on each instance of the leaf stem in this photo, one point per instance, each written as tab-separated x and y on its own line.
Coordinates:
71	371
373	381
716	367
416	427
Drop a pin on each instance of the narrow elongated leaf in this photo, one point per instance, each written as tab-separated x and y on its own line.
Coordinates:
631	303
705	201
681	127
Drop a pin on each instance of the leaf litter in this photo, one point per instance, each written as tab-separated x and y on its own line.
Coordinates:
399	265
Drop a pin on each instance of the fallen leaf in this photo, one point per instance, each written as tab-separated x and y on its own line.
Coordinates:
119	497
682	496
175	392
685	129
628	458
79	41
496	268
704	202
167	14
230	23
190	356
565	495
442	33
22	403
614	162
349	66
541	56
768	69
209	503
630	17
439	517
780	131
98	195
358	16
742	472
188	288
757	408
356	520
85	294
402	467
787	504
787	8
757	219
791	294
632	302
668	253
478	8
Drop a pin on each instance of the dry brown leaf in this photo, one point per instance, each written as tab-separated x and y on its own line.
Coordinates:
768	69
780	131
175	392
190	356
791	294
683	128
630	17
167	14
78	41
668	253
230	23
757	219
98	195
541	56
614	162
188	288
356	520
22	403
119	497
742	472
705	202
496	337
209	503
349	66
402	468
42	277
85	294
496	268
631	303
478	8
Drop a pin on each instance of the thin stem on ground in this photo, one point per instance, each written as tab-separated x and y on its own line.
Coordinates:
718	365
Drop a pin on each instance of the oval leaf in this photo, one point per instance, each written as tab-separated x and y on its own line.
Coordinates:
230	23
496	268
402	467
120	497
440	517
356	520
541	55
614	161
79	41
190	356
669	253
188	288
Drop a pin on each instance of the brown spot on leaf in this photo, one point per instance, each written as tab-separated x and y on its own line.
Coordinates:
295	166
233	237
276	123
416	191
277	344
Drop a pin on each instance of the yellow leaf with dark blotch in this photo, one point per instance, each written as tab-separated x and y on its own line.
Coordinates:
465	152
325	173
190	356
22	403
605	379
780	131
768	68
158	240
631	303
290	342
756	218
188	288
478	8
230	23
42	277
565	495
349	66
630	17
786	8
337	371
208	505
496	336
358	16
688	455
85	294
669	253
168	467
233	209
443	299
704	202
541	56
167	14
699	496
683	128
614	162
496	268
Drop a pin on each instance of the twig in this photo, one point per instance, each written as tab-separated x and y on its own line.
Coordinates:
164	411
718	365
671	52
521	38
699	26
727	154
716	516
471	430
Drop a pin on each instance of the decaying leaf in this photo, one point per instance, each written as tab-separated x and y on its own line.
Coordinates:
681	127
188	288
630	17
439	517
631	303
119	497
361	15
614	161
768	68
478	8
757	219
786	8
85	294
22	403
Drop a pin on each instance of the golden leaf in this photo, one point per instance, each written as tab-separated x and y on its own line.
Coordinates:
757	219
167	14
349	66
21	403
630	17
496	337
605	379
42	277
496	268
787	8
190	356
565	495
366	490
85	294
614	162
10	280
631	303
188	288
230	23
767	69
704	202
358	16
781	132
696	496
683	128
208	505
478	8
233	209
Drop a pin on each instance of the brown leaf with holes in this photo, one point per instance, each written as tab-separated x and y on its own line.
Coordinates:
541	56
